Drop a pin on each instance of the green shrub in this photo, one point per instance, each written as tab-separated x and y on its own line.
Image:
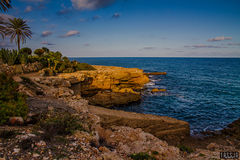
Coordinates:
66	60
9	57
69	70
12	103
26	50
23	58
84	66
60	124
46	50
49	72
155	152
32	59
184	148
39	52
142	156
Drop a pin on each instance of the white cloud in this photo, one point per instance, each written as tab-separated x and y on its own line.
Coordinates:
46	33
116	15
4	44
5	17
28	9
147	48
203	46
234	44
96	17
91	4
71	33
47	43
222	38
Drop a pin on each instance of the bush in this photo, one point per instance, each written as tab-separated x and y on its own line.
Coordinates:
33	59
84	66
49	72
9	56
46	50
26	50
23	58
142	156
60	124
39	52
184	148
12	103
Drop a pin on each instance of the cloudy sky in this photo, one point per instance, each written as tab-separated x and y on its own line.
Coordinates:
132	28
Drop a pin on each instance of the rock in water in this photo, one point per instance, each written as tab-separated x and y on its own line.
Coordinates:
156	73
158	90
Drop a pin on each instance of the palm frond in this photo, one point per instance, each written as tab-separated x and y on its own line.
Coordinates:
4	5
18	30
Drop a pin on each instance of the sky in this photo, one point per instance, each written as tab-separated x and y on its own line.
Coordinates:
131	28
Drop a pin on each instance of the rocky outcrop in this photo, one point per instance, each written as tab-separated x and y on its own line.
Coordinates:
108	86
165	128
129	141
116	79
105	86
66	86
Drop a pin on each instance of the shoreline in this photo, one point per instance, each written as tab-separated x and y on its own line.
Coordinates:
60	93
79	78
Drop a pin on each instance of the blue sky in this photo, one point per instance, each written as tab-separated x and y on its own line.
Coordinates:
132	28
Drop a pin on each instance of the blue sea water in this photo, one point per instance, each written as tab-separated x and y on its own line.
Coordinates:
202	91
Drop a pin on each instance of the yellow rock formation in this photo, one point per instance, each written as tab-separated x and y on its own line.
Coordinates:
116	79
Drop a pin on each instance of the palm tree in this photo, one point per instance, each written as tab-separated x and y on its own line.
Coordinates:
4	5
18	29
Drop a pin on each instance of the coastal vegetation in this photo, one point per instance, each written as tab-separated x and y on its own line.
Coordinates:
13	103
59	124
54	62
142	156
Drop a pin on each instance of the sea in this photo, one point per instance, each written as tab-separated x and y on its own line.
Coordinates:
202	91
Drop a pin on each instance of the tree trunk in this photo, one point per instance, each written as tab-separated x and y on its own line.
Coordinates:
18	42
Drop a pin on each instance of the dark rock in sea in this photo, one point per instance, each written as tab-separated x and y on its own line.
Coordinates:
158	90
156	73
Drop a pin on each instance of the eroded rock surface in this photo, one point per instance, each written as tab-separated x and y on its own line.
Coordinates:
165	128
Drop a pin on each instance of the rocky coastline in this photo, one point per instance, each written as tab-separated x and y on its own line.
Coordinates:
107	133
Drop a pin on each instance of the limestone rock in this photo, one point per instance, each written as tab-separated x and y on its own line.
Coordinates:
166	128
212	146
16	121
116	79
109	99
128	141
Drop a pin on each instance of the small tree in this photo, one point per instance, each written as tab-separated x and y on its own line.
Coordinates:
26	50
46	49
39	52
